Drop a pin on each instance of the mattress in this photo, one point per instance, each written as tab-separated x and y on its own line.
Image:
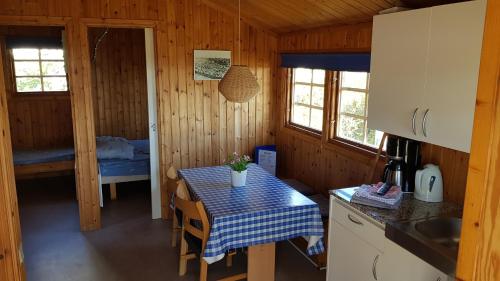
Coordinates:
125	167
28	157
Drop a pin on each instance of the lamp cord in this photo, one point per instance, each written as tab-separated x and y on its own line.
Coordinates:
239	31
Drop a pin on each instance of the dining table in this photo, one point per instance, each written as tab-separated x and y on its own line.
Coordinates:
264	211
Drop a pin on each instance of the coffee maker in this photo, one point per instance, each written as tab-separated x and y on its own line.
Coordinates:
403	160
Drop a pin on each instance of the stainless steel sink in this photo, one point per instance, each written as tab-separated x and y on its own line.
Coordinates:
444	231
435	240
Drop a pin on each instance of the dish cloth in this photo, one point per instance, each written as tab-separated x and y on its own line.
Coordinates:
367	195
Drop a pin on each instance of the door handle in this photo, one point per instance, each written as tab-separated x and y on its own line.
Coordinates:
424	122
374	267
354	220
413	127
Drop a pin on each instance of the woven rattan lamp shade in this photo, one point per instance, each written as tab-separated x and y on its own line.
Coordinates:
239	84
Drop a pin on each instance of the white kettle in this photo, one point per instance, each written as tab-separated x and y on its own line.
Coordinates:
429	184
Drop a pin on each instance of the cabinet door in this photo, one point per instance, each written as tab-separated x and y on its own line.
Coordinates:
398	70
399	264
349	257
456	34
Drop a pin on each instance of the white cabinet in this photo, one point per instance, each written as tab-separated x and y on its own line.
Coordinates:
399	264
359	250
351	257
427	60
398	62
354	247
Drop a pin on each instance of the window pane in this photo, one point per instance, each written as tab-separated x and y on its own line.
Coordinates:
317	119
351	128
55	84
353	79
53	68
318	94
319	76
27	68
303	75
25	54
52	54
373	137
29	84
302	94
300	115
352	102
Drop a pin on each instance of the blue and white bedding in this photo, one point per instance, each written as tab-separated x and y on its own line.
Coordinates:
29	157
138	165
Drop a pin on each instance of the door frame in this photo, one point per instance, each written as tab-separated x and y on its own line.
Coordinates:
152	80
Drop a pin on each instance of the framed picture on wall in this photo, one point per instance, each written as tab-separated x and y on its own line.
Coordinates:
210	64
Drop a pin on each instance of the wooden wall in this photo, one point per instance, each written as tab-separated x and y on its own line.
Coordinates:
325	165
199	127
196	125
35	121
479	252
11	267
119	83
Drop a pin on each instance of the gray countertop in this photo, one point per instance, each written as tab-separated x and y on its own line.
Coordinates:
410	208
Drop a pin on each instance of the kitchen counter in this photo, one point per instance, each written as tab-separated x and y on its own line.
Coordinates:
400	226
409	210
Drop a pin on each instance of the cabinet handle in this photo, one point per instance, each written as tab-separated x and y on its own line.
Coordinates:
424	123
413	127
353	219
374	267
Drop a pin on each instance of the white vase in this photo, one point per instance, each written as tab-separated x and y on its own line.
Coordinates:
238	179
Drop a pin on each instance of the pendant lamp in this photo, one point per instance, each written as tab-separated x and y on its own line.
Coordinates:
239	84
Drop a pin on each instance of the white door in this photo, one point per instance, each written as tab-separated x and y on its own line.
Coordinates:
153	133
453	68
350	257
398	68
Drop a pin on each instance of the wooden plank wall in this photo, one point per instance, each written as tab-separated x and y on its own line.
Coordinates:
479	252
119	83
326	165
196	125
11	267
35	121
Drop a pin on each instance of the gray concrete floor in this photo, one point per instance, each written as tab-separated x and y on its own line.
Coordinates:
130	246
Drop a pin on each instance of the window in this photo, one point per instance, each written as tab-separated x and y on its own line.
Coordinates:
39	70
307	98
352	109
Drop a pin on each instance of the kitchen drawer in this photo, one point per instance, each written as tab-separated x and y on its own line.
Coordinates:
360	225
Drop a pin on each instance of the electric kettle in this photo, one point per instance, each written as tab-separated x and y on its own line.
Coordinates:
429	184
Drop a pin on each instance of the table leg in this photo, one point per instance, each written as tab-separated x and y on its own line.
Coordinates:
112	188
261	262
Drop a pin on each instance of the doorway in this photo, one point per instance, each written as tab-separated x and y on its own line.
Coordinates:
123	75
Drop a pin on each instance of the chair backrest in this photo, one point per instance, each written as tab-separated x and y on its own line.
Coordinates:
193	210
172	180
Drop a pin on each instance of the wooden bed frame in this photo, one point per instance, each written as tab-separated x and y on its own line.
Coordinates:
113	180
44	169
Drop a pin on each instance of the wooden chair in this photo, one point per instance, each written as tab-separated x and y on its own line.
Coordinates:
195	225
170	209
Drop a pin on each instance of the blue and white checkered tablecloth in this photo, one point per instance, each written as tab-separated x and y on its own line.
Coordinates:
265	210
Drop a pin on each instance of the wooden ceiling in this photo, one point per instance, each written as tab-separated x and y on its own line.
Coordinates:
289	15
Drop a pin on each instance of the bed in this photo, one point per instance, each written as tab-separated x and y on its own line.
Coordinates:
43	162
113	171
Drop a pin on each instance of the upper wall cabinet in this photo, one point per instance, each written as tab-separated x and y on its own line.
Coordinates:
424	71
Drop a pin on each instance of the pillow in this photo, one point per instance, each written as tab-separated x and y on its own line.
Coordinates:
114	148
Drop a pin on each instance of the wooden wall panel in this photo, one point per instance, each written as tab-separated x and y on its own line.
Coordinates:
11	267
479	252
35	121
326	165
119	83
199	135
204	126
